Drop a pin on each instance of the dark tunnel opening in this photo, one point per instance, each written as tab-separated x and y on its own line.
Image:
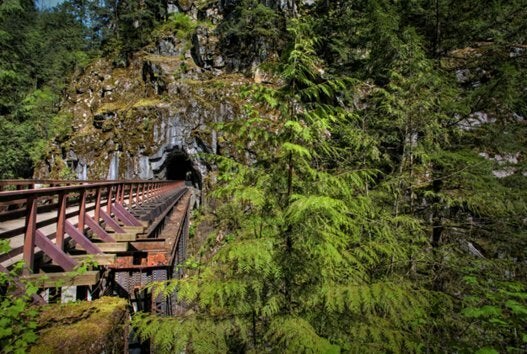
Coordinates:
178	166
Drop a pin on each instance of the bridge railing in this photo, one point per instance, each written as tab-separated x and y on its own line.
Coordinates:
18	184
91	202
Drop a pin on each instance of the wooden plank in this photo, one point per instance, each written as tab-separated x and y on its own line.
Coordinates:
102	259
109	247
124	237
134	229
153	245
52	280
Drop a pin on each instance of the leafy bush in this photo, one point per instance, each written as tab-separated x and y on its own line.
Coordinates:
18	320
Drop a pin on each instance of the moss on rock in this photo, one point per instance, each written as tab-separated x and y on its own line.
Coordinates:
84	327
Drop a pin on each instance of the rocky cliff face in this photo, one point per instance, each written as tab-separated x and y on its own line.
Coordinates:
152	118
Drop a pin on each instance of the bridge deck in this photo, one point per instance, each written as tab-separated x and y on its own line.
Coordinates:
116	223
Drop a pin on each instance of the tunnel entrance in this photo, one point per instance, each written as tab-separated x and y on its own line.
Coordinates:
178	166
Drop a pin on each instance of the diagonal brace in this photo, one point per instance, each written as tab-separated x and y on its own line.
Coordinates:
111	222
99	231
125	216
49	248
81	239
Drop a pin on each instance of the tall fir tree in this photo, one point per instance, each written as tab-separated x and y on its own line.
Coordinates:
307	262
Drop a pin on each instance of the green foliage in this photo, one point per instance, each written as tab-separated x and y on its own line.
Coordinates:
181	24
295	335
357	204
136	21
18	321
307	260
14	157
494	309
39	51
171	335
253	28
254	20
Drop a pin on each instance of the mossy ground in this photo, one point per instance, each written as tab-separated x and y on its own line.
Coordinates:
83	327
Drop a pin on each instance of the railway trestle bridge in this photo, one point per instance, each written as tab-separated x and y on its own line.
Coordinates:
126	234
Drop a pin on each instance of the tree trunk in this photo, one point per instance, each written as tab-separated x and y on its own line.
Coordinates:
437	34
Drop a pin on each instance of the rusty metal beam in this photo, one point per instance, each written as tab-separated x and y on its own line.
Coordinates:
111	222
49	248
81	239
99	231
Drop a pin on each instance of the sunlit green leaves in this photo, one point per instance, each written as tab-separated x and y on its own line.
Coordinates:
296	335
10	6
18	320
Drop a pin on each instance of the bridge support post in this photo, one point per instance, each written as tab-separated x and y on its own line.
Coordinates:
82	211
131	196
29	237
117	193
141	194
123	191
109	197
61	218
97	213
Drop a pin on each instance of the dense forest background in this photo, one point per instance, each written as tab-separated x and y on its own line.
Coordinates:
371	200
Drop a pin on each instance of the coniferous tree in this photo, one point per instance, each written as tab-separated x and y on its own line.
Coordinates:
307	261
251	32
39	52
